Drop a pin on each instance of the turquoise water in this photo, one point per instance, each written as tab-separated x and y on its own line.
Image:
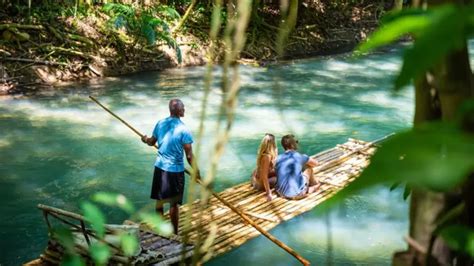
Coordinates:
58	148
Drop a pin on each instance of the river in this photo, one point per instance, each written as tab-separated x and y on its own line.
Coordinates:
58	148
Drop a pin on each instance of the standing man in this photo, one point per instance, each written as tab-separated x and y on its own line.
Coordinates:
292	181
172	137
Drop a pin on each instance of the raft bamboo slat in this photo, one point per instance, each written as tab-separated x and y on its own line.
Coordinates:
233	231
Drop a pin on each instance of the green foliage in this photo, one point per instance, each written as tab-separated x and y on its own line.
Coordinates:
100	249
436	156
459	238
72	260
129	244
100	253
146	24
437	31
114	200
65	237
157	223
95	216
465	116
394	28
168	12
450	217
406	192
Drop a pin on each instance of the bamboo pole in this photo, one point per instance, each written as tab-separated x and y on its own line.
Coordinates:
290	211
244	190
256	200
344	157
242	215
236	234
251	198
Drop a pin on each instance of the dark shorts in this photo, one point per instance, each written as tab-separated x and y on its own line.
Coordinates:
167	186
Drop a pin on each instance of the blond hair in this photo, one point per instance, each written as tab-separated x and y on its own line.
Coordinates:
267	146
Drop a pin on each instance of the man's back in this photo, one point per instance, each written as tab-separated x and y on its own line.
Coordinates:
289	165
171	135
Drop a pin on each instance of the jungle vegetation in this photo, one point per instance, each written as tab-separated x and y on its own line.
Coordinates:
433	160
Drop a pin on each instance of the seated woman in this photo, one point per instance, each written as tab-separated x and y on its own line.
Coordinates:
264	176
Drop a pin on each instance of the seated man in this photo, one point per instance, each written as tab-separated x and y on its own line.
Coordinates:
292	182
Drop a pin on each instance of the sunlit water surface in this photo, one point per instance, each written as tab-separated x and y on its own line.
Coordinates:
58	148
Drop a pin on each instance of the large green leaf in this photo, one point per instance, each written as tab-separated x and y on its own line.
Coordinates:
114	200
100	253
393	30
437	32
397	14
449	217
445	33
435	156
95	216
459	238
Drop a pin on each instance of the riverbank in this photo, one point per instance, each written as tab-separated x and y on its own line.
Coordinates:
52	47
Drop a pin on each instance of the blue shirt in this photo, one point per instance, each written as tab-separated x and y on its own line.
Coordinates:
290	180
171	135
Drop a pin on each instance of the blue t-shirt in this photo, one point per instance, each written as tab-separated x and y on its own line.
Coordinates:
171	135
290	181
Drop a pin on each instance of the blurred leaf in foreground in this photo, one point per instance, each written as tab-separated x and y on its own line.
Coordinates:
72	260
64	236
114	200
93	214
436	156
100	252
157	223
460	238
129	244
437	31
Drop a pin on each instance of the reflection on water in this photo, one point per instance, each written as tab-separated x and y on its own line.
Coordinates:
59	148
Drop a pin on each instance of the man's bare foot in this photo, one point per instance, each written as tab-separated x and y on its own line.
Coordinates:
314	188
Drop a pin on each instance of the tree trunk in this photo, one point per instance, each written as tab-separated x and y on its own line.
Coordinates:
439	98
397	5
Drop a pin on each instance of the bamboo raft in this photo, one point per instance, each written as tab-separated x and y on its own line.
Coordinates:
154	249
339	166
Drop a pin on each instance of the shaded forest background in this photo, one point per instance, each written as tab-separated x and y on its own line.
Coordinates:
69	40
45	42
